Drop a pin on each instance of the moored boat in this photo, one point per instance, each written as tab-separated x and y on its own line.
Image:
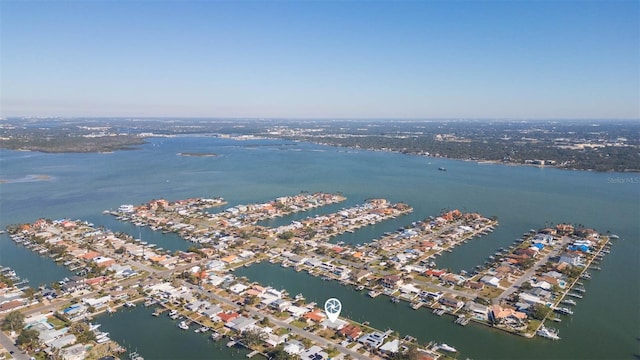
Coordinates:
548	333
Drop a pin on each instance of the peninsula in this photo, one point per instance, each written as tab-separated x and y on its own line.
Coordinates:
516	290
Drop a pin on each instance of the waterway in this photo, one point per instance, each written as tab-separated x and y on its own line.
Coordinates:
83	185
160	338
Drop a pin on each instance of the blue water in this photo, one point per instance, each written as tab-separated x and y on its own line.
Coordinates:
83	185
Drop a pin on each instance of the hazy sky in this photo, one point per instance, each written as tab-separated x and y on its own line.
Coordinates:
454	59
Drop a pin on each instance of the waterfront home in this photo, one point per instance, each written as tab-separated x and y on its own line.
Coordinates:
273	339
197	305
529	299
480	312
589	234
97	303
373	340
316	316
351	332
49	294
571	258
313	262
98	280
188	256
280	304
212	311
293	347
505	315
297	311
453	279
451	302
314	353
391	281
75	312
228	316
229	259
73	286
215	265
360	275
62	341
391	346
119	295
238	288
435	272
544	239
240	323
333	325
409	288
47	335
490	280
74	352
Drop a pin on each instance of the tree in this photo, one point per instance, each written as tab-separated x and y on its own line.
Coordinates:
253	337
410	354
286	235
526	286
265	321
13	321
28	339
278	353
539	311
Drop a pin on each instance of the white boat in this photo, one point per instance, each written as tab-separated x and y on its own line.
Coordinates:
183	325
202	329
447	348
564	311
173	313
548	333
373	293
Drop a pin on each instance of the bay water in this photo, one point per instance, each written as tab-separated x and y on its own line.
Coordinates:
81	186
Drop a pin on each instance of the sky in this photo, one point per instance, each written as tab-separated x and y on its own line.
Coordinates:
320	59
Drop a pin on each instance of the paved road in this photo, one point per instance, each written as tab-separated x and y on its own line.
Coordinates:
7	343
313	337
527	275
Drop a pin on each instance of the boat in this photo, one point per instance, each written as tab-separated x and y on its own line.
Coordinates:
395	300
373	293
447	348
360	287
548	333
173	313
129	304
614	236
202	329
442	168
299	297
215	336
556	319
564	311
183	325
585	276
578	296
568	302
135	356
